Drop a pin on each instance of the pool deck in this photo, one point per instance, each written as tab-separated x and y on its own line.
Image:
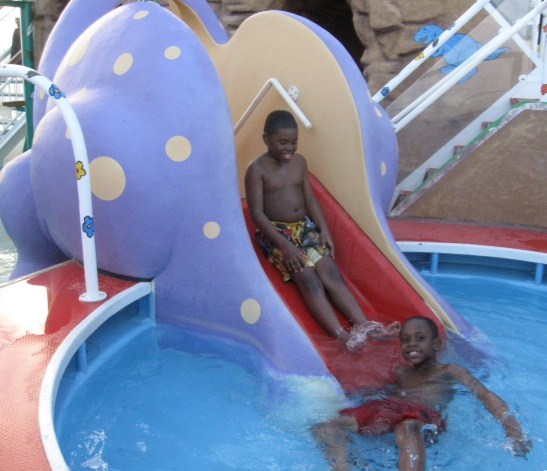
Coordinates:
37	313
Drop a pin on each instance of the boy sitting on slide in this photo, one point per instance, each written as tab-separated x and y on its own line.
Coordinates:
294	235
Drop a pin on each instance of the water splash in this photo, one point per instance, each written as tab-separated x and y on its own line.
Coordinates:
359	334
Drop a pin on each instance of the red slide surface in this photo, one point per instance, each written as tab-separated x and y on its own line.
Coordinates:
384	295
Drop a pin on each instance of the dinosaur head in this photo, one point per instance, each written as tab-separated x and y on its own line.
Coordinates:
427	34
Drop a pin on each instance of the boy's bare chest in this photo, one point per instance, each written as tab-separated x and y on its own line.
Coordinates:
281	180
432	382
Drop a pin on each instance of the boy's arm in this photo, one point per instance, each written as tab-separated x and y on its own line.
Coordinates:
497	407
316	213
292	256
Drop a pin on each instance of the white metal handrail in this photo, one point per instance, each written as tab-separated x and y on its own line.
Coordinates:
447	82
10	129
92	293
517	38
429	50
12	88
290	100
11	92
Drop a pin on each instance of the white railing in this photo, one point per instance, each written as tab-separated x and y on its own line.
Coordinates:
530	52
289	96
507	32
429	50
11	91
426	99
92	293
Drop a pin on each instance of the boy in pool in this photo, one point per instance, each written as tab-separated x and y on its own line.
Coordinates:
423	390
293	232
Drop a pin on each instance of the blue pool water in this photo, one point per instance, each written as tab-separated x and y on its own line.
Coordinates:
158	407
163	409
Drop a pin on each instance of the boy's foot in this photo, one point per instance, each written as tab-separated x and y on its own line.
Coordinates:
358	335
342	335
357	339
392	330
374	330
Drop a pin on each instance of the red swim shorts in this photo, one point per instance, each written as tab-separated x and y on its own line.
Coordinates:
382	416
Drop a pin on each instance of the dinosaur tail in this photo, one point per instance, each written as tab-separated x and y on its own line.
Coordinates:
497	53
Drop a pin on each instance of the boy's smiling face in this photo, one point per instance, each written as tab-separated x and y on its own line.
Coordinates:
419	344
282	144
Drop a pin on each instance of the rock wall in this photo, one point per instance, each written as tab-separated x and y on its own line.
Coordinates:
377	33
45	14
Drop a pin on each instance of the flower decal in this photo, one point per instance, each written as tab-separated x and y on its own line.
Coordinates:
55	92
89	226
385	91
80	170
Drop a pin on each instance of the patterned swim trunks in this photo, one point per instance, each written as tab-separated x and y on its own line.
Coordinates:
303	234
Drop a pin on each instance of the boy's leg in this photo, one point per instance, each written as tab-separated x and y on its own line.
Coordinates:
314	296
338	292
410	441
343	299
333	437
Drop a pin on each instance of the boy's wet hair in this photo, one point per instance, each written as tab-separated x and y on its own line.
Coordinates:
279	119
431	323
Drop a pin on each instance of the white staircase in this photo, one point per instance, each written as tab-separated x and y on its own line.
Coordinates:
441	113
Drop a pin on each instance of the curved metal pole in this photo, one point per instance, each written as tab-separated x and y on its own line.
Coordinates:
273	82
92	293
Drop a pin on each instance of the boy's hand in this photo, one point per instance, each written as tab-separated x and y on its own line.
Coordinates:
520	446
293	258
326	242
